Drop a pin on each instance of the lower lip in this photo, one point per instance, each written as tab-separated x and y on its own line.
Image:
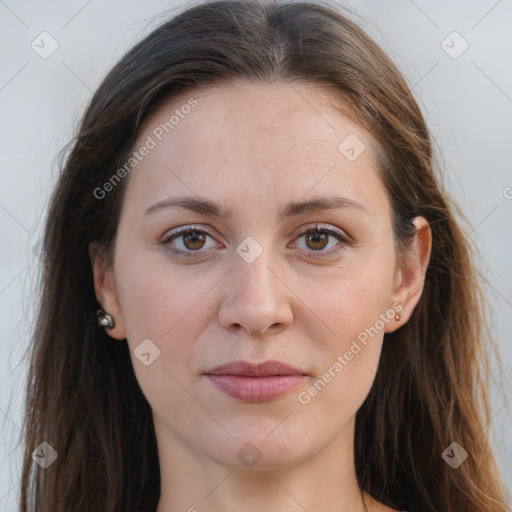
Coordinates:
256	389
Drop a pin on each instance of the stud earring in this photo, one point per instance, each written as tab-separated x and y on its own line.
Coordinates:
105	320
397	317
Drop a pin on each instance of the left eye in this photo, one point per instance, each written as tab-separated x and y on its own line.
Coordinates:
317	238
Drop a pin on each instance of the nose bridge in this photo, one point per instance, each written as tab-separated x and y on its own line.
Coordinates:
253	270
256	298
254	278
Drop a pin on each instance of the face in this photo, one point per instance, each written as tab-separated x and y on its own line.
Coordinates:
291	261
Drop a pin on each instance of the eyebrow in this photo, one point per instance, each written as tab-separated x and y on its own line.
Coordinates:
293	208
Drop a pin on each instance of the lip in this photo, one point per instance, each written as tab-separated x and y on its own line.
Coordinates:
265	369
255	382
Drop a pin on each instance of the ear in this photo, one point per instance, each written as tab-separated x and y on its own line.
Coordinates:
410	277
105	289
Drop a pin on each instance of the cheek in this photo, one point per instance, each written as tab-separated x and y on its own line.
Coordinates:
348	357
350	300
167	307
352	311
350	353
157	298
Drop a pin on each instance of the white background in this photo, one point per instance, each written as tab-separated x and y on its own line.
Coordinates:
467	102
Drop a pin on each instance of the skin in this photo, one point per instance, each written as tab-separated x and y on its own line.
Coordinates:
253	148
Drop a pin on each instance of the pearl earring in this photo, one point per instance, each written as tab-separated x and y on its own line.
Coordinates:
105	320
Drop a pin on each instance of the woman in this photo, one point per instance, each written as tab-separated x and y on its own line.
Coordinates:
256	294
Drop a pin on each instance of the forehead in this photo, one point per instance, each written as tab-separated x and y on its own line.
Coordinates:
255	139
280	112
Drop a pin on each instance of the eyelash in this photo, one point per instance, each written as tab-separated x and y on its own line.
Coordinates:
318	228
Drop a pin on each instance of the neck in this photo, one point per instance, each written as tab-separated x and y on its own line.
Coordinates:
323	482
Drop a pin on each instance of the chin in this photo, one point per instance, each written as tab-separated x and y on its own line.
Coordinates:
257	449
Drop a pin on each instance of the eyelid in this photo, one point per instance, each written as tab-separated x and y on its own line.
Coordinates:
185	229
317	226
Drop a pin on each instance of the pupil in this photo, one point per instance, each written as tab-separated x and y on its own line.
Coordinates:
194	238
316	237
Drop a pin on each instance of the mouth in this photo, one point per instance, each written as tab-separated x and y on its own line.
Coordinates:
255	382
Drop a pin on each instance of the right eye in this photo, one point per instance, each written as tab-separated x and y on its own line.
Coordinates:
191	238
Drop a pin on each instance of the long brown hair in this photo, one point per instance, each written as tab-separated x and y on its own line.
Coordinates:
430	389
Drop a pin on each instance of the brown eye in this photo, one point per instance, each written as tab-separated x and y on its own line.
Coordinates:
317	240
188	241
194	240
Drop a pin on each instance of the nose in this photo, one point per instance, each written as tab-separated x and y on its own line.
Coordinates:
257	298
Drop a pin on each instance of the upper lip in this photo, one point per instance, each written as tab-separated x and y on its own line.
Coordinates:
265	369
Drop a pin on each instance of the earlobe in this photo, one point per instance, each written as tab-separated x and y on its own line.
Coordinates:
106	292
411	274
